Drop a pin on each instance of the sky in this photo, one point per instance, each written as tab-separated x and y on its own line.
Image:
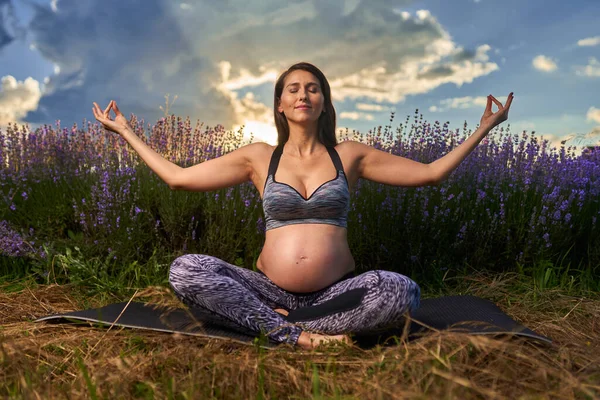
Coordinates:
222	58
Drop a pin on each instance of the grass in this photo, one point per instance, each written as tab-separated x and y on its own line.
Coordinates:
39	360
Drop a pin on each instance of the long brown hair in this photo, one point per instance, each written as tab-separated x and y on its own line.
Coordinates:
326	126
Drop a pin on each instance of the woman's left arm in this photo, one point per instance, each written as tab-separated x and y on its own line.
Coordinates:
442	167
386	168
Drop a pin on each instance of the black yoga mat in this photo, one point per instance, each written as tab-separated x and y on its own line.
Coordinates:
468	314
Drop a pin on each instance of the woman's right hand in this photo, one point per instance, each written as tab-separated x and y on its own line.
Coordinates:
119	125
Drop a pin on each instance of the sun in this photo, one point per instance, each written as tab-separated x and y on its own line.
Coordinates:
263	132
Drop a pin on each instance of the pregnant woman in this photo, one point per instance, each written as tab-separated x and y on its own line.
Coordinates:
305	184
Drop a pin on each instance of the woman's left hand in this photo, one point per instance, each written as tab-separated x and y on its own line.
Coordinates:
492	119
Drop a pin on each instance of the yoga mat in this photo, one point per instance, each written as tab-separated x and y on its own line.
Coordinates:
468	314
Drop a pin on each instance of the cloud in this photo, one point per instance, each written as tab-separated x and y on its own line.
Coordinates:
9	19
17	98
557	141
591	41
579	139
465	102
373	107
543	63
207	52
593	114
591	70
356	116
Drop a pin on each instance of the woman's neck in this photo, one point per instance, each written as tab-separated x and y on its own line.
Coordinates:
303	141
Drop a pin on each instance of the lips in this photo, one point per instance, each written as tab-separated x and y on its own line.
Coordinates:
303	107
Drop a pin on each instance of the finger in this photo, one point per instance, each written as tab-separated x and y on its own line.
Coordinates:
97	112
489	104
509	99
496	101
108	108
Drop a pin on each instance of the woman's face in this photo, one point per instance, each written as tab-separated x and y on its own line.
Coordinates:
301	88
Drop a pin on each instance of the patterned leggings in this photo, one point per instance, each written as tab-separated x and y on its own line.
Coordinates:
240	298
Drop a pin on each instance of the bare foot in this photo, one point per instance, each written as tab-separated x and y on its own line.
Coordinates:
281	311
308	340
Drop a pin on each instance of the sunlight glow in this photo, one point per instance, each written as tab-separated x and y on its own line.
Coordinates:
263	132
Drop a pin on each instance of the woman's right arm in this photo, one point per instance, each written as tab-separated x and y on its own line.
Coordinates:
227	170
165	169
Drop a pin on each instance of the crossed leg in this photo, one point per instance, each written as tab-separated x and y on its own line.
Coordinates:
230	292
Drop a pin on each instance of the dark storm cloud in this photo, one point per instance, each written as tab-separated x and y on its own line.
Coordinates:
120	51
8	19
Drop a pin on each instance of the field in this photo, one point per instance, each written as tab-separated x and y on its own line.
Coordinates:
84	223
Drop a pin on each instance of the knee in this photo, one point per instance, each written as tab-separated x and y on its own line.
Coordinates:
401	286
185	265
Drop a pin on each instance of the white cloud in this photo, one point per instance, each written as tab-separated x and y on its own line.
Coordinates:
465	102
558	141
593	114
17	98
591	41
372	107
543	63
356	116
591	70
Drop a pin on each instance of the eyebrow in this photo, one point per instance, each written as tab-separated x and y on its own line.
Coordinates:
297	83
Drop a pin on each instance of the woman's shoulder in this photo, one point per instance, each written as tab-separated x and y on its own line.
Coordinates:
257	152
257	149
351	148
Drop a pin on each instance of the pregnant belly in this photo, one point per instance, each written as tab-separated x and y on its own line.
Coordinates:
306	257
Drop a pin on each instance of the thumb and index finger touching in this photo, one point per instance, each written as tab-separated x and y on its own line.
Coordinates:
103	116
112	105
498	103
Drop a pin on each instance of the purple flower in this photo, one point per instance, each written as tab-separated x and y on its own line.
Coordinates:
24	195
546	238
260	225
247	203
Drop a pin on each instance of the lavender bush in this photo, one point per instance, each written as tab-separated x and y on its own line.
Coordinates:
513	204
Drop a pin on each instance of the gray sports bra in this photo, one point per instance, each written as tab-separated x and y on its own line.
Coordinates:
328	204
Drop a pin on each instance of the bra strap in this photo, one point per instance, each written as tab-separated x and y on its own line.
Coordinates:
335	158
275	160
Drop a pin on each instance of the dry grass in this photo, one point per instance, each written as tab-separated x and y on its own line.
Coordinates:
47	361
